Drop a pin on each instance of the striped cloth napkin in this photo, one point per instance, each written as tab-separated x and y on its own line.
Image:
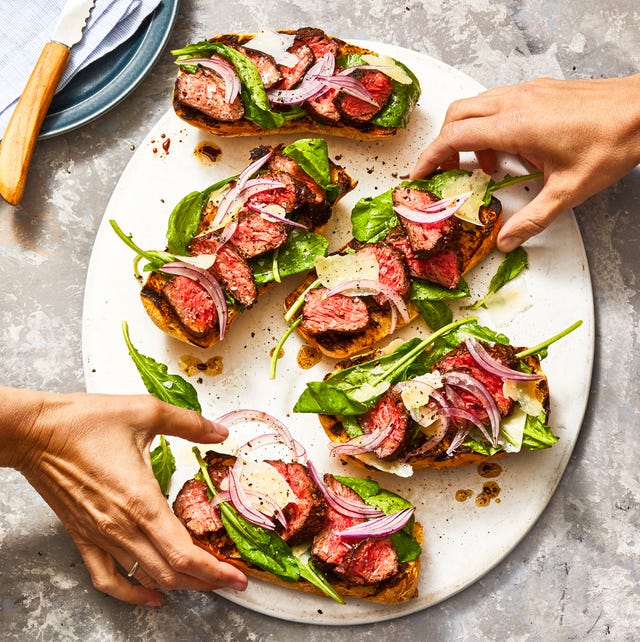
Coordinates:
25	27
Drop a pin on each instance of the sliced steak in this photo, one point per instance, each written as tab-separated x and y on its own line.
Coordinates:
294	195
230	269
318	42
204	91
281	163
305	518
291	76
265	64
356	110
367	561
337	313
195	511
256	235
389	411
425	238
192	304
443	267
393	269
323	108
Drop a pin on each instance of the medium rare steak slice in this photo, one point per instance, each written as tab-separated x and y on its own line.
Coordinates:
356	110
323	107
192	304
306	517
229	268
460	360
442	267
337	313
256	235
204	92
281	163
294	195
195	511
389	411
425	238
265	64
367	561
292	75
393	270
317	41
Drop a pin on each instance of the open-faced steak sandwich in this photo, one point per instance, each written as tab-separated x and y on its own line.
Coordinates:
227	245
460	396
283	522
292	81
412	246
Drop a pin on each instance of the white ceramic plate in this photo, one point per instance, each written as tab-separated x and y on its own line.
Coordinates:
462	540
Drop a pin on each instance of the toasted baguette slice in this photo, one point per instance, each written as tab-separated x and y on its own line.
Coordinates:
401	102
163	314
437	458
401	588
474	245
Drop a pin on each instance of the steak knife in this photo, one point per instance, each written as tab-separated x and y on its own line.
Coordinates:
22	131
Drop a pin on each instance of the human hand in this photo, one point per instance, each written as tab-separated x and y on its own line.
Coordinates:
88	456
582	134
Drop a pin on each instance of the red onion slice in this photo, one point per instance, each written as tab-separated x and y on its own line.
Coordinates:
377	287
493	366
241	502
349	85
457	441
380	526
244	415
479	390
224	69
435	212
208	282
342	504
255	207
309	87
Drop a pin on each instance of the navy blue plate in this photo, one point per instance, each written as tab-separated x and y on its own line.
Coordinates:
108	80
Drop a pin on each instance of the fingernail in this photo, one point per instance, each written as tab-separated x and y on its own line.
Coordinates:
509	243
239	585
154	602
221	430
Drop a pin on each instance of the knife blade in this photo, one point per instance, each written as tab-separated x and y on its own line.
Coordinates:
18	142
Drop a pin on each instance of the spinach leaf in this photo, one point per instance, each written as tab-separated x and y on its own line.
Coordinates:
156	258
163	464
320	397
312	574
253	95
537	434
512	264
298	254
436	314
313	157
429	299
507	181
541	348
166	387
185	218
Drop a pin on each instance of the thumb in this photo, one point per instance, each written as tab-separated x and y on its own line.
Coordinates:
532	219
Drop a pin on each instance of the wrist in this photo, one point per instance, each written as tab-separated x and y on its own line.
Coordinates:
21	432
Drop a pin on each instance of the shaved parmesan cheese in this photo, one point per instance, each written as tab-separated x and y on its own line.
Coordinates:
392	346
388	67
394	467
264	478
337	269
524	393
476	183
512	431
275	44
204	261
416	394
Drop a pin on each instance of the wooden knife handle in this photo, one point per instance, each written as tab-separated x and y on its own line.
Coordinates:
22	131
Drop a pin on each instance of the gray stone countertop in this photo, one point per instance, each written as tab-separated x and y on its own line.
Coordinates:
575	576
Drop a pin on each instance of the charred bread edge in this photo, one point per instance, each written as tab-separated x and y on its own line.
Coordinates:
333	427
381	319
163	315
400	588
245	127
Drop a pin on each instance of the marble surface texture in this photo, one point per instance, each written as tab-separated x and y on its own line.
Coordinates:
576	574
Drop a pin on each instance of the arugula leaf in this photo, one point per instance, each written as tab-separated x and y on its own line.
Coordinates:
537	434
163	464
253	95
507	181
156	258
166	387
512	264
541	348
313	157
298	254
